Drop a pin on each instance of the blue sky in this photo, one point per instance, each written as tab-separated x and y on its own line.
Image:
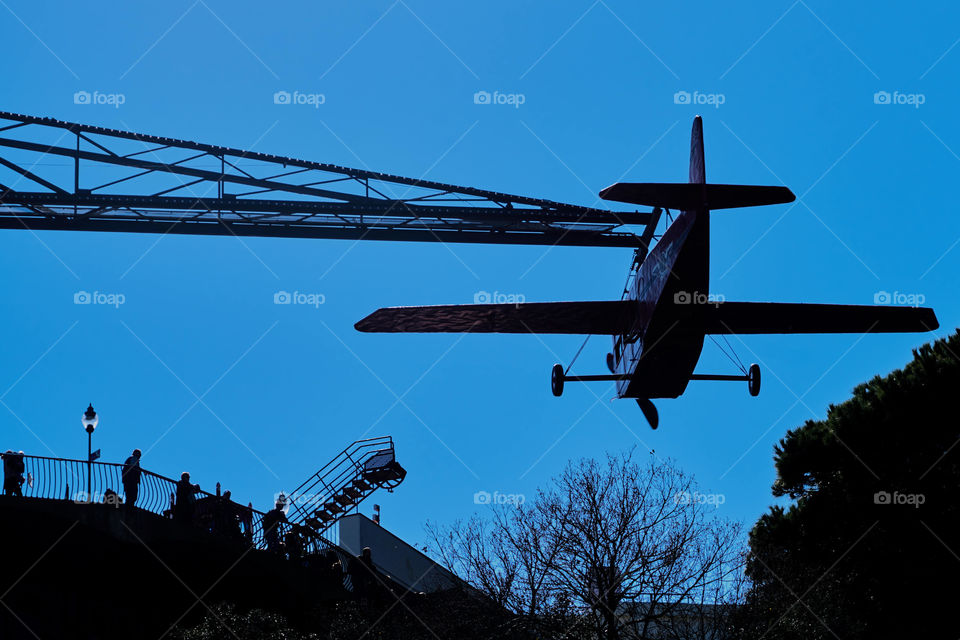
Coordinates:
283	388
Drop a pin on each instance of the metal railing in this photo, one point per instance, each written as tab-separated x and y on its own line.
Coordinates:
66	479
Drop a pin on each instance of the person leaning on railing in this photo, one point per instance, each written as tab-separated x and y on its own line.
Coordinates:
13	469
186	499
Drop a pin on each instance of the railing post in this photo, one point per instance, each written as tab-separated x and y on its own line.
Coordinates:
89	465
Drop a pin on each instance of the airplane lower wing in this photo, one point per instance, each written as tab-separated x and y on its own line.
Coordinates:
606	317
776	317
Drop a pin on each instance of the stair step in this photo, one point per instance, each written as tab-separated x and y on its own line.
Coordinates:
361	485
356	494
323	515
343	499
333	507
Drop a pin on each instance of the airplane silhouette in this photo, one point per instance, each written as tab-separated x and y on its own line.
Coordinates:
659	325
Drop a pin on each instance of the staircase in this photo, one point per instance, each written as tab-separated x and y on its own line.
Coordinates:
344	482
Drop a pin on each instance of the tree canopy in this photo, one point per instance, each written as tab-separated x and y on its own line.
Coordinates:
869	545
610	548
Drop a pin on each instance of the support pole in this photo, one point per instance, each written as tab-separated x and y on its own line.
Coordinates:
89	465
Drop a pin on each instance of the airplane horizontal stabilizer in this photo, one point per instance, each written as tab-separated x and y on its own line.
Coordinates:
776	317
608	317
690	197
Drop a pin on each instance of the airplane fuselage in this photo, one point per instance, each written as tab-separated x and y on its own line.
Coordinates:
660	351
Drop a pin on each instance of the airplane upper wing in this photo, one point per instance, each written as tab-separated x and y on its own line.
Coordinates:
606	317
776	317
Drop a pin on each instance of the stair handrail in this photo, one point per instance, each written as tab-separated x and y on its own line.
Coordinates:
335	475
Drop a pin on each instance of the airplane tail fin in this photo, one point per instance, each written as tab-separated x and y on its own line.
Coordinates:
698	170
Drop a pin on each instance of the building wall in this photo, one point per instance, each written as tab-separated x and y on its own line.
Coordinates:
400	561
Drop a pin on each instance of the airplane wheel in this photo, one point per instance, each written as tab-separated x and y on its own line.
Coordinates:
753	383
556	380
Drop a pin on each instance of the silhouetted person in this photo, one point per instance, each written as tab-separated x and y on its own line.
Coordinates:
186	499
332	570
131	477
13	469
271	526
294	544
226	517
363	575
246	521
111	498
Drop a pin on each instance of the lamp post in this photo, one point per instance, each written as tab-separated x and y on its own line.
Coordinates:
89	421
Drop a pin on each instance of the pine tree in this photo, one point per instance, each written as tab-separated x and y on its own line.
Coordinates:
870	547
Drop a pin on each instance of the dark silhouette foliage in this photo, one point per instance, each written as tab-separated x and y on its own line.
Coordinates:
869	547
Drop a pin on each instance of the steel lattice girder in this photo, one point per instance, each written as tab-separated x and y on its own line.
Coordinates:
325	201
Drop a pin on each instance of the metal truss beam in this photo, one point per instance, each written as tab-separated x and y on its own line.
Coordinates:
121	181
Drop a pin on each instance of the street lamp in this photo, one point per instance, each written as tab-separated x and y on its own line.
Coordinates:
89	421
